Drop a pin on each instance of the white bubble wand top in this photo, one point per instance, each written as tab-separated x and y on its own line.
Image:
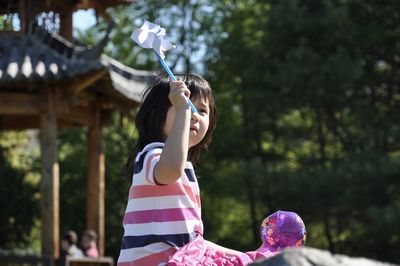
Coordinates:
151	35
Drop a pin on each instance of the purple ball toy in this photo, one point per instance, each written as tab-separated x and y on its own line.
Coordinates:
280	230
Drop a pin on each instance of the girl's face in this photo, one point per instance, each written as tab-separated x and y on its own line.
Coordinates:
198	124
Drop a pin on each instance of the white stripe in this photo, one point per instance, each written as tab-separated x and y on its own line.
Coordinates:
141	175
163	228
160	203
140	179
153	163
149	147
133	254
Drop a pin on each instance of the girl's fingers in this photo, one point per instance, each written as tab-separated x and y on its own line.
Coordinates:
176	84
179	87
182	91
178	93
187	93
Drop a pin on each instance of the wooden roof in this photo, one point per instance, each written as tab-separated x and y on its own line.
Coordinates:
129	82
83	78
40	57
12	6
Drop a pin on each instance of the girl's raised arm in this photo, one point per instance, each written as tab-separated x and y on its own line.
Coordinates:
176	130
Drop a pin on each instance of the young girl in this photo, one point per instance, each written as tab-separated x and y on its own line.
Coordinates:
164	211
162	220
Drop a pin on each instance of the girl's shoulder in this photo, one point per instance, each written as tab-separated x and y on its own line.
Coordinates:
152	146
149	147
148	151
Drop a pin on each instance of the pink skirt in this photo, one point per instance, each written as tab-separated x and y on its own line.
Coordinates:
197	252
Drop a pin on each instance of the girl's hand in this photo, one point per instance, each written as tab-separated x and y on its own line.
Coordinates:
172	161
178	94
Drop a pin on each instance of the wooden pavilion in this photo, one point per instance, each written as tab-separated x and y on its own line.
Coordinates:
47	82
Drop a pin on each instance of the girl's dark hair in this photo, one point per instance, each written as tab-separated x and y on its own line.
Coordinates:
150	118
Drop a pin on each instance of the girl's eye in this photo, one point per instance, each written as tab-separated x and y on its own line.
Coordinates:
203	111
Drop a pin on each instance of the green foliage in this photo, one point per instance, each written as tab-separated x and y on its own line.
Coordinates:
18	193
186	23
310	106
72	153
117	139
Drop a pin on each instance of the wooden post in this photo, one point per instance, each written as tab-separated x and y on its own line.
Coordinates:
66	24
28	11
96	181
50	183
22	16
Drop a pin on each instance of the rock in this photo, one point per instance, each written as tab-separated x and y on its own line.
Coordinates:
314	257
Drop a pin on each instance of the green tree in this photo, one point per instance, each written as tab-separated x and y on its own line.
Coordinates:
18	193
312	102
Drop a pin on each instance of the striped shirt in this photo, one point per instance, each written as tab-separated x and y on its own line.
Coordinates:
159	219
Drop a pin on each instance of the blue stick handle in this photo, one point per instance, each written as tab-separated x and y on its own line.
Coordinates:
172	76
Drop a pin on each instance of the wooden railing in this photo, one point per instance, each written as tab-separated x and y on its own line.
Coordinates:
101	261
16	260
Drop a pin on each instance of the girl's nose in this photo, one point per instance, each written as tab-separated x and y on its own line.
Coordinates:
195	116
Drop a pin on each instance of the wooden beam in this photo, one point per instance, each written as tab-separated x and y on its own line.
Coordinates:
19	122
50	187
95	210
19	103
79	115
25	104
84	82
77	109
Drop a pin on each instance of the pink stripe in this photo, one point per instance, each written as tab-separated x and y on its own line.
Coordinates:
153	259
166	215
191	195
147	191
198	201
174	189
151	180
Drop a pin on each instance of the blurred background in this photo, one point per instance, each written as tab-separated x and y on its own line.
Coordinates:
308	99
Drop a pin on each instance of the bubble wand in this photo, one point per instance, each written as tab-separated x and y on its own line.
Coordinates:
151	35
